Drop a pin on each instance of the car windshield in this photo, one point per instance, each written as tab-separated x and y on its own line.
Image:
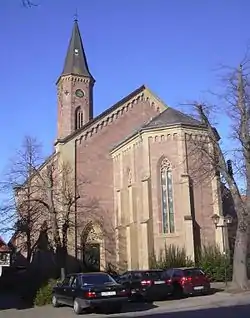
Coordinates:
97	279
191	272
147	275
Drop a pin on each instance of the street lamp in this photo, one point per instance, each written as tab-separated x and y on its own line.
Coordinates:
226	221
216	219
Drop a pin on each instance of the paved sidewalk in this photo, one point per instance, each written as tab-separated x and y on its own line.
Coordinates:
227	287
218	300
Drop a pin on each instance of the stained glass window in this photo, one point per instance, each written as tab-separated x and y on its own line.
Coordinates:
168	225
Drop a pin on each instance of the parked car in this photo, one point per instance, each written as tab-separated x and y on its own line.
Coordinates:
116	277
146	284
187	281
90	291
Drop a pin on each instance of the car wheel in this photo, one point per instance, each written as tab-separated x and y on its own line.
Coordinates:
178	291
76	307
55	302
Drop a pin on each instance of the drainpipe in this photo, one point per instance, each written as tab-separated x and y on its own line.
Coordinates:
75	185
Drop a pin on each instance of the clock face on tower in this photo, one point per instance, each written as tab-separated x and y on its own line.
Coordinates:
79	93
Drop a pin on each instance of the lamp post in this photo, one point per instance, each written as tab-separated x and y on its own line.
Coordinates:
224	225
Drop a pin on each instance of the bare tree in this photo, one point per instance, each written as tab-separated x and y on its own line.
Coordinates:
28	3
49	199
44	199
20	216
214	163
59	195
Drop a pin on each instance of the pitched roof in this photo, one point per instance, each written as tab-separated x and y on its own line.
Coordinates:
103	114
76	61
3	246
171	117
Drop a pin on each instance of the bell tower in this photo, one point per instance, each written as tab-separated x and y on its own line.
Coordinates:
74	88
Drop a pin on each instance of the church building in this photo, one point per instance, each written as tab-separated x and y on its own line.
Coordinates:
137	160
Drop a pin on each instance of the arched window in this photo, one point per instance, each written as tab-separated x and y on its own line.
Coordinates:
78	118
167	197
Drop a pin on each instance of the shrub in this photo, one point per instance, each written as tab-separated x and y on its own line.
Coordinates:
44	294
215	264
170	256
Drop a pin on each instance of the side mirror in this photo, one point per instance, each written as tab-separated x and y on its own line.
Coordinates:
59	284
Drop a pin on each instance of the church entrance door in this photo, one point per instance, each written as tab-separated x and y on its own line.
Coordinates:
92	257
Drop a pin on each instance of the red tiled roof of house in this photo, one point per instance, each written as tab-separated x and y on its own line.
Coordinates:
3	246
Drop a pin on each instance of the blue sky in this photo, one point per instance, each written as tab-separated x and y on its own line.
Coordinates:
173	46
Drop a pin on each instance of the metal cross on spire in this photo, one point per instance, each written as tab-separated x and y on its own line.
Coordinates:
76	16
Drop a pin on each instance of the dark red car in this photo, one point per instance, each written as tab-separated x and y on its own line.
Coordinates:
187	281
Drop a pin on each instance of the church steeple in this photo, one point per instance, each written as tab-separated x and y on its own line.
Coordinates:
74	89
76	61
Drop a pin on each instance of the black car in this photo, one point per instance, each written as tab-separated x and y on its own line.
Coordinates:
146	284
90	291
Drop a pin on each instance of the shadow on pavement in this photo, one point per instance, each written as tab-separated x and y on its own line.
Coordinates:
216	290
211	292
137	307
12	301
228	312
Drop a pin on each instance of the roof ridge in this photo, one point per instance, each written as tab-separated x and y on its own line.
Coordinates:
96	119
182	113
165	119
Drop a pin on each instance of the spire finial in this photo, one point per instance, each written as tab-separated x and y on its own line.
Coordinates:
76	16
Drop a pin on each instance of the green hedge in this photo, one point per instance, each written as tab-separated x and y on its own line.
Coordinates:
215	264
44	294
170	256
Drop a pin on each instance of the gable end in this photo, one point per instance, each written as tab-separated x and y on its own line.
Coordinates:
110	115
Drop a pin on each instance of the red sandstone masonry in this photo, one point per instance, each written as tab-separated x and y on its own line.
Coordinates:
203	195
68	103
94	160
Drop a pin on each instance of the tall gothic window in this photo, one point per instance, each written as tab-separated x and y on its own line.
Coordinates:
167	197
78	118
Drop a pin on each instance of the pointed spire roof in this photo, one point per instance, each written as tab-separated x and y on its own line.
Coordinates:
76	61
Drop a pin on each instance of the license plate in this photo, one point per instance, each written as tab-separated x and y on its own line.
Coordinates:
158	282
109	293
198	287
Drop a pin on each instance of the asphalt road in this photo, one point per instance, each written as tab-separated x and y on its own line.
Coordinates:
214	306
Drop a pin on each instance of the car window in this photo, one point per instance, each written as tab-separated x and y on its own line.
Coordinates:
191	272
74	282
137	275
72	278
129	276
166	275
178	273
123	278
168	272
66	281
147	275
97	279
